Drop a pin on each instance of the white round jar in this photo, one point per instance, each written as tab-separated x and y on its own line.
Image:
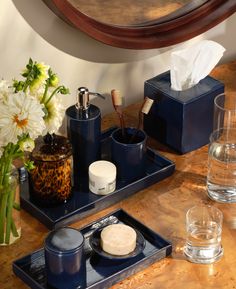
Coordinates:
102	177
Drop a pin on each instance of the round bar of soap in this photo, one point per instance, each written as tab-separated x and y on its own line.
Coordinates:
118	239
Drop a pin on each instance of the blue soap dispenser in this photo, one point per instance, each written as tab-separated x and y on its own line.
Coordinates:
84	133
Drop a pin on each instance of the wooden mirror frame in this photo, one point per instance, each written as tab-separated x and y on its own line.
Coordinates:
156	34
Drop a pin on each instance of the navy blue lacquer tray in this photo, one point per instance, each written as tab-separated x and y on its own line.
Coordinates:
84	202
101	273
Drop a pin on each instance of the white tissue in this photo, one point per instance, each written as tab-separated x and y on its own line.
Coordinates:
190	65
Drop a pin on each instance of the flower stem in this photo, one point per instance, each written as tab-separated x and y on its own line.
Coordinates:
54	92
14	230
9	220
3	209
7	195
45	92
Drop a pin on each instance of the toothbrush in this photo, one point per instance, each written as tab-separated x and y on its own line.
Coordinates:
117	104
145	108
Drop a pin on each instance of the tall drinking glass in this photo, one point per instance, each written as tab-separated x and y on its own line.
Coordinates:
221	175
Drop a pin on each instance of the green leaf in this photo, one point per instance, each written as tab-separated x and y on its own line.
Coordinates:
29	165
64	90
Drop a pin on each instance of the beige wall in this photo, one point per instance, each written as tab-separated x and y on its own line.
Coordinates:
29	29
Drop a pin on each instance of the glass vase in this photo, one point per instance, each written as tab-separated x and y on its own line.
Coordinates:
10	225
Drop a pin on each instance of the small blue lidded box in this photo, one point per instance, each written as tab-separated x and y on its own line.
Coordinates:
183	120
65	259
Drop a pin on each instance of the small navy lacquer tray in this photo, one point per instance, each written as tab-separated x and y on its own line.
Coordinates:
84	202
101	272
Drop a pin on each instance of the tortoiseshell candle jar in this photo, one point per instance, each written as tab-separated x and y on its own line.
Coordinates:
50	180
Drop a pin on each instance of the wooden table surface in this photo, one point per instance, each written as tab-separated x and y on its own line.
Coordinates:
162	207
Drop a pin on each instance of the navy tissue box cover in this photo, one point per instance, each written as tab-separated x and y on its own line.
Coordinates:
183	120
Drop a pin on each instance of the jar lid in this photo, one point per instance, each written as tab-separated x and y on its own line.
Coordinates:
51	148
102	170
64	240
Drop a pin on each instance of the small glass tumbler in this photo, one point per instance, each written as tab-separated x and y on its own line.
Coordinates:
204	228
64	259
221	173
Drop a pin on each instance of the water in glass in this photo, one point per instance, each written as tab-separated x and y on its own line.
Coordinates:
204	228
203	244
221	177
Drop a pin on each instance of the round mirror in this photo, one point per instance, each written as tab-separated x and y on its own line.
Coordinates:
139	24
131	12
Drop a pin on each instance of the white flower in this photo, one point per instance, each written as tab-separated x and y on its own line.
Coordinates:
38	94
54	115
20	114
6	88
41	77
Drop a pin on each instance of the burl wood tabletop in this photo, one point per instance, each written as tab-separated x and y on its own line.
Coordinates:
162	207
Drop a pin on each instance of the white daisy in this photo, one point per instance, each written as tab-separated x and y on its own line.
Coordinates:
20	114
38	94
6	88
54	115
